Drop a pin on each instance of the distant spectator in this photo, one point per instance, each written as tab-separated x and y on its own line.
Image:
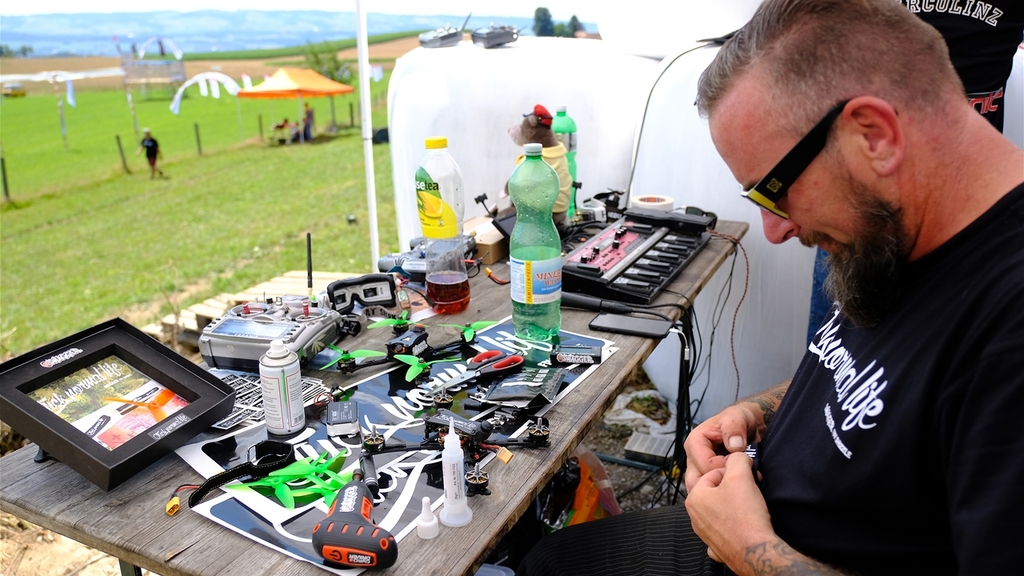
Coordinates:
307	128
152	148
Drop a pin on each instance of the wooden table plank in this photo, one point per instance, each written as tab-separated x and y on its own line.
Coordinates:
129	522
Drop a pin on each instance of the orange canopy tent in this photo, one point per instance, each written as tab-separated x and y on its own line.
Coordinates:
295	83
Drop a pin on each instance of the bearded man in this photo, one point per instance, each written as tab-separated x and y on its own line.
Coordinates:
896	447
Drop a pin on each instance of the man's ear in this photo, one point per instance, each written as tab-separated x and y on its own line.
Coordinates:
873	127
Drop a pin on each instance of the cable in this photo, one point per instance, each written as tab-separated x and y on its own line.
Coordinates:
736	312
643	117
652	313
494	278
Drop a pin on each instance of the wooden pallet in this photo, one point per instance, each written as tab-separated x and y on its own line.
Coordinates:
189	324
294	282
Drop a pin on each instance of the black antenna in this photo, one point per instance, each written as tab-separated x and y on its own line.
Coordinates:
309	264
466	22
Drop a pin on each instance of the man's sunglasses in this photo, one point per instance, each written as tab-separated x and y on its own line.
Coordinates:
776	183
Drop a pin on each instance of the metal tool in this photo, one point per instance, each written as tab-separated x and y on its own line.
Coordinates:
487	365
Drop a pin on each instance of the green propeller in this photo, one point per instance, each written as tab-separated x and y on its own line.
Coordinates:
346	356
417	365
401	322
470	330
316	476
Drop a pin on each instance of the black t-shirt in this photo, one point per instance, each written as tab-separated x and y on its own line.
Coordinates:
151	147
982	38
900	448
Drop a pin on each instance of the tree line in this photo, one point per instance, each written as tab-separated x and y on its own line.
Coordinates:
543	25
6	51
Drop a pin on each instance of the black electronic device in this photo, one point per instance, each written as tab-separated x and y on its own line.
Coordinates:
369	289
632	325
472	429
342	418
495	35
443	37
412	342
414	262
637	256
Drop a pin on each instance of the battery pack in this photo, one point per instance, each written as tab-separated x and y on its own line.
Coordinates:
576	354
342	418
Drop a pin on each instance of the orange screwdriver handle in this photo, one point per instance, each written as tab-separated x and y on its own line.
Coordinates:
348	537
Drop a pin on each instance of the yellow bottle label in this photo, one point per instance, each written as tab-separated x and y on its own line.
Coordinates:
436	217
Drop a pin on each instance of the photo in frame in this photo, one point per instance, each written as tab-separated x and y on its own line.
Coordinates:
110	400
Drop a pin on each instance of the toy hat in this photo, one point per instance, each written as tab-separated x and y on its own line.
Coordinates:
542	114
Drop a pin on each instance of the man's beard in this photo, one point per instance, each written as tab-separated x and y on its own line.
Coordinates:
864	277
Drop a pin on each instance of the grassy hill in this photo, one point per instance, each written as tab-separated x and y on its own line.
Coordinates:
300	50
82	241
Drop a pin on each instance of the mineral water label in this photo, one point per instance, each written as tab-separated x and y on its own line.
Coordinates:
568	139
536	281
436	217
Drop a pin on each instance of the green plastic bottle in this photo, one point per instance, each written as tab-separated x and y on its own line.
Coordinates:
564	128
535	250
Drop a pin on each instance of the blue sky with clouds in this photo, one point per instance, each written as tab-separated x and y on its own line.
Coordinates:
560	9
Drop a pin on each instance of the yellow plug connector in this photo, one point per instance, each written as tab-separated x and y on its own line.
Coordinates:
173	505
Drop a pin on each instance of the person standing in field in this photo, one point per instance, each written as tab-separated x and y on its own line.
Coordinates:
153	153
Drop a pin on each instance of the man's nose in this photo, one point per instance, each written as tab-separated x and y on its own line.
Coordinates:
777	229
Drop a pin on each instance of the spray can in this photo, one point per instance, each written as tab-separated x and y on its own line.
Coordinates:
281	381
456	511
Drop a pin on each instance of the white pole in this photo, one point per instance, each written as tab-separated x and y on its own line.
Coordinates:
365	105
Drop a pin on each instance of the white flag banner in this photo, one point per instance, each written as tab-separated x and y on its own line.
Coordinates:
71	94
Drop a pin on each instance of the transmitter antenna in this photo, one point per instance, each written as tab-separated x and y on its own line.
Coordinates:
309	265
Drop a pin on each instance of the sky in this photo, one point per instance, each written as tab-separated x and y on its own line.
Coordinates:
561	10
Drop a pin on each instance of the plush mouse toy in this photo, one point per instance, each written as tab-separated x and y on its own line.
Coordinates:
536	127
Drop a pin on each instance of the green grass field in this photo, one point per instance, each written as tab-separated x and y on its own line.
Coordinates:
296	50
81	241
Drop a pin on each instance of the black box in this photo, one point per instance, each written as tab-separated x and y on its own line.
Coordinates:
110	400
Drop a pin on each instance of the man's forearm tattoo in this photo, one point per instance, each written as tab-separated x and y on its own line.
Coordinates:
784	562
768	408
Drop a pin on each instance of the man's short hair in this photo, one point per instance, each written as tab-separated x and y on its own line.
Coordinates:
814	53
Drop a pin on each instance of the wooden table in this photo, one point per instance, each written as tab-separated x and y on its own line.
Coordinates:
130	524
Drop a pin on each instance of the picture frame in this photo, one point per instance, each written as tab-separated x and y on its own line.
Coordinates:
109	400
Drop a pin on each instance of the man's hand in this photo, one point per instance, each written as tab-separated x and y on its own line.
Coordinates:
728	512
728	431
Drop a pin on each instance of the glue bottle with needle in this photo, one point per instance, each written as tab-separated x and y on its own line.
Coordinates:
456	510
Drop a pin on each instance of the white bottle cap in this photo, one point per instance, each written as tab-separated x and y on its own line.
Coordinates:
560	109
533	149
426	524
277	349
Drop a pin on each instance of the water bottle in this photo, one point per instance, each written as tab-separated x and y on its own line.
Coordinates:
439	199
564	128
535	250
281	382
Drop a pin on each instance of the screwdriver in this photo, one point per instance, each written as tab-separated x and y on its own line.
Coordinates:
348	537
